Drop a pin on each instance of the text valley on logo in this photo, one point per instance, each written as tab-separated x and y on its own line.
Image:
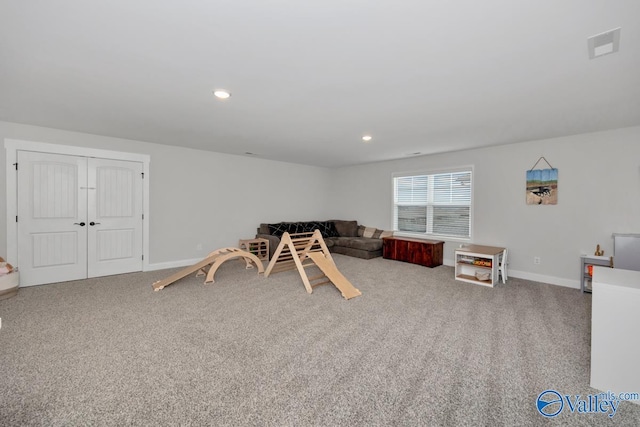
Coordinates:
551	403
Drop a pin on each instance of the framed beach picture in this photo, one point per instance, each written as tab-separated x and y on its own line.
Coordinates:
542	186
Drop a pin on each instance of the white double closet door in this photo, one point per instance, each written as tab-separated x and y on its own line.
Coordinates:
78	217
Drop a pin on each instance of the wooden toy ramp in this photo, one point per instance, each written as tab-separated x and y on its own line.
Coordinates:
302	250
214	259
328	267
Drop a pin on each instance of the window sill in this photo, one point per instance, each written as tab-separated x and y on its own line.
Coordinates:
431	236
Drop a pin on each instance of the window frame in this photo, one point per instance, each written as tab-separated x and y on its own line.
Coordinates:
430	204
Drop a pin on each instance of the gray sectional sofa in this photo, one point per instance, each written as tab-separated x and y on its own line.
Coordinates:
341	237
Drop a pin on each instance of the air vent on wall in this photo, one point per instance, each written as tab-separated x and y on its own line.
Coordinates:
604	43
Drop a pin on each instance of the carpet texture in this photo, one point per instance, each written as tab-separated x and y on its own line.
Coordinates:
417	348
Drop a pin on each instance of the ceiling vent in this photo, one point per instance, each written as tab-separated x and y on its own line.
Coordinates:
604	43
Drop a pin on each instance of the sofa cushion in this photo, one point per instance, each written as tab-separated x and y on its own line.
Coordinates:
369	232
280	228
329	242
327	228
373	233
379	234
264	229
296	227
358	253
330	229
376	233
309	226
359	243
346	228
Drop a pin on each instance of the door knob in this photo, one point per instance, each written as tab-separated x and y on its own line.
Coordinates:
94	223
81	224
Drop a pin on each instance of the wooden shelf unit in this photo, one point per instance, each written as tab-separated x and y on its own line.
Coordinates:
471	259
257	247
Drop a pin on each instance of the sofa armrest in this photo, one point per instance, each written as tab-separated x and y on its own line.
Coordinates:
274	241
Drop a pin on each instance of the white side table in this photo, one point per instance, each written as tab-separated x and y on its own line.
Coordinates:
471	259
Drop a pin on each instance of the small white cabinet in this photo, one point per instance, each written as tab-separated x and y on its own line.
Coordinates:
478	264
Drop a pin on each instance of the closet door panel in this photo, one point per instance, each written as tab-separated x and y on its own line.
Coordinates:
52	214
115	217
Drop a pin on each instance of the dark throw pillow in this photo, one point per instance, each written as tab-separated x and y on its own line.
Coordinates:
278	229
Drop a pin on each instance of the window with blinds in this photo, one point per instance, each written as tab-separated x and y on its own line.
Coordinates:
434	204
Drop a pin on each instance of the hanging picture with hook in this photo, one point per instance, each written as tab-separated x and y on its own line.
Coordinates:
542	185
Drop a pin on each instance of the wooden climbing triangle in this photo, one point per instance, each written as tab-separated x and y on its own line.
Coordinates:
213	261
302	250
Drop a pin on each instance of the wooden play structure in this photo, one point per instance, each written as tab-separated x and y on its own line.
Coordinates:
258	247
214	260
293	252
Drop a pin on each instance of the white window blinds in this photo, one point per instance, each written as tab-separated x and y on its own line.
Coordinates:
434	204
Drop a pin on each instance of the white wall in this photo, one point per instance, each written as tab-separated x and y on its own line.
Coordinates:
598	194
198	197
215	199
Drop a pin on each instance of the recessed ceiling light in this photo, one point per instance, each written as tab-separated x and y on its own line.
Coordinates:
221	93
366	138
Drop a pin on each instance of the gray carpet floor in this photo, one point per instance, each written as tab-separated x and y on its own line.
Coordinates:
417	348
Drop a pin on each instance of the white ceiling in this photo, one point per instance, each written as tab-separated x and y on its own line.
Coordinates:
308	79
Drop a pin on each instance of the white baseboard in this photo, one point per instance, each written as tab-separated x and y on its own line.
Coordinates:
172	264
448	262
552	280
